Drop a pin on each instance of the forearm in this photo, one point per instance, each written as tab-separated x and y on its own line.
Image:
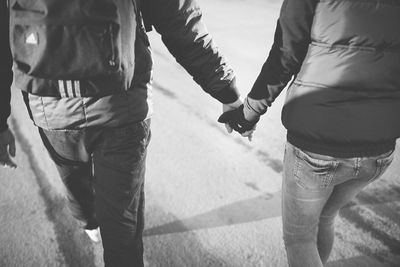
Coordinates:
186	37
5	67
291	41
4	101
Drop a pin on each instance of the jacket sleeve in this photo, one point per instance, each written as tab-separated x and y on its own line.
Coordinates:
186	37
5	66
291	40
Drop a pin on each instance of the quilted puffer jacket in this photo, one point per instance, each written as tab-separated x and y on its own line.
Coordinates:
344	100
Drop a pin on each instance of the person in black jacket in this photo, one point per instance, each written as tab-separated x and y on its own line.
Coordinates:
341	110
7	143
99	143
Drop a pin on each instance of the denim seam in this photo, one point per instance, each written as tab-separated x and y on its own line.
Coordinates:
328	178
357	166
296	170
44	113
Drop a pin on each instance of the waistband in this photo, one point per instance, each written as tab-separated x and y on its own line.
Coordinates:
341	150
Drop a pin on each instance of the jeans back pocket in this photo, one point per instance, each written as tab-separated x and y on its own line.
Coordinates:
382	163
313	173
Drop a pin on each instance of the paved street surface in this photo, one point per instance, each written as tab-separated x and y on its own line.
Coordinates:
212	199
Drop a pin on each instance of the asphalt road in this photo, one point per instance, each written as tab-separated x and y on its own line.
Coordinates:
212	199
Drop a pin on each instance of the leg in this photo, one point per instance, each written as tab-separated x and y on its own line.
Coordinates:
119	163
306	188
74	166
80	193
326	236
370	170
341	195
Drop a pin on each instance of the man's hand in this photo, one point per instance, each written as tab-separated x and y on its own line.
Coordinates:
229	107
237	121
7	149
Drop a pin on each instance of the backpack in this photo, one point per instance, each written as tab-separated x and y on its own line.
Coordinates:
73	48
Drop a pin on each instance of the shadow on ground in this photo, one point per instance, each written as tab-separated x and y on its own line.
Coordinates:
244	211
183	249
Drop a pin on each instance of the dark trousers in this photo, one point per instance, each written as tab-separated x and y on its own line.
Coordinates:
103	170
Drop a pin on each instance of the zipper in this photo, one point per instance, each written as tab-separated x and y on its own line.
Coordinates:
112	61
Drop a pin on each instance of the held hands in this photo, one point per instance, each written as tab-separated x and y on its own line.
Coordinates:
230	107
7	149
235	119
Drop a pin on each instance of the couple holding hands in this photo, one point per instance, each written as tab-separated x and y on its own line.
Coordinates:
341	58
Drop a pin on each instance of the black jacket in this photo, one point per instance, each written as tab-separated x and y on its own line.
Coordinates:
5	67
345	58
185	35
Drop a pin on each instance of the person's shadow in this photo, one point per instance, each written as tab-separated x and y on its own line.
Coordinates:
249	210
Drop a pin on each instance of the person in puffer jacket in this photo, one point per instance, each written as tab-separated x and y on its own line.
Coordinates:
341	111
99	144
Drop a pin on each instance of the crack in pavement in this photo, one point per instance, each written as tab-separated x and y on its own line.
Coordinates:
76	252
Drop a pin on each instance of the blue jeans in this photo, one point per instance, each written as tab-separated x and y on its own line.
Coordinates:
314	189
103	170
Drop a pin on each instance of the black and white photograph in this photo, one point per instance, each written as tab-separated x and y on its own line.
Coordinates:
199	133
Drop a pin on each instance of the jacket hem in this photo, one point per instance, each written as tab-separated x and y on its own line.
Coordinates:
341	150
3	127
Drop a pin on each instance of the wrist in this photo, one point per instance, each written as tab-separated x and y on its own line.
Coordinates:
236	103
250	115
253	109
